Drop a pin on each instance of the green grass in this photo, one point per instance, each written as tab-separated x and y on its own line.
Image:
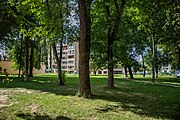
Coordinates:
42	99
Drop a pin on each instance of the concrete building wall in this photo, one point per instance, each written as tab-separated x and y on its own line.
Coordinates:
6	68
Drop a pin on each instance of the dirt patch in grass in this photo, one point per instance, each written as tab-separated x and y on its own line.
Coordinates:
32	108
3	102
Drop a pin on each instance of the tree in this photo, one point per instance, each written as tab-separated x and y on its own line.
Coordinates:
171	39
112	34
57	29
84	48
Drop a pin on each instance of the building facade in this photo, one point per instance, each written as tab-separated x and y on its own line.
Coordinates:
3	54
70	58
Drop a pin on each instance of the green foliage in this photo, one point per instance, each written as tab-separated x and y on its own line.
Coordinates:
63	76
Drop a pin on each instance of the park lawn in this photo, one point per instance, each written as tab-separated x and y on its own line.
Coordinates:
42	99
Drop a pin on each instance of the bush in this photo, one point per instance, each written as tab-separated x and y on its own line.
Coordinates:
63	76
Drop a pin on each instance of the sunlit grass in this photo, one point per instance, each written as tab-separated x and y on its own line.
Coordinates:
42	99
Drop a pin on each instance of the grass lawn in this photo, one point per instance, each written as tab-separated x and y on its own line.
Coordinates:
42	99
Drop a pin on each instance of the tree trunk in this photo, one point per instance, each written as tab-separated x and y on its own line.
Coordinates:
95	71
130	72
20	58
26	58
153	59
125	71
45	54
157	71
144	69
60	82
31	60
112	33
50	61
110	83
84	48
178	53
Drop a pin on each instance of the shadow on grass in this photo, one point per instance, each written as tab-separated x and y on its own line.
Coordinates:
36	116
139	103
161	79
139	98
44	84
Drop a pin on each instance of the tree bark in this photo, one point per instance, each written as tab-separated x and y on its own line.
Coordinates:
178	53
20	58
50	61
153	59
31	60
26	58
144	69
84	48
130	72
45	54
60	82
125	71
95	71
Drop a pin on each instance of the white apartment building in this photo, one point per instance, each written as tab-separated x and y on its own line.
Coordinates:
70	58
3	54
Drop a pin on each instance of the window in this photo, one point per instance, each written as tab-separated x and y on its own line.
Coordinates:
70	67
71	52
64	67
105	72
64	62
70	62
71	47
71	56
64	57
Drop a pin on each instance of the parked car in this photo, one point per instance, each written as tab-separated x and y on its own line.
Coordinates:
177	73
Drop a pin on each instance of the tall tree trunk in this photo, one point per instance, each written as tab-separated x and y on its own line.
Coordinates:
26	58
45	54
144	69
84	48
125	71
110	83
157	71
31	60
153	59
130	72
50	61
20	58
178	53
112	33
60	61
60	82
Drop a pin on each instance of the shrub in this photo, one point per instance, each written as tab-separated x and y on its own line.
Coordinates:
63	76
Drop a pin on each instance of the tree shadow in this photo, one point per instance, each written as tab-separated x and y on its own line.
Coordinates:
138	103
44	84
125	96
35	116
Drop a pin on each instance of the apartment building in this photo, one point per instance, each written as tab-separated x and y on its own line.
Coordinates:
70	58
3	54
